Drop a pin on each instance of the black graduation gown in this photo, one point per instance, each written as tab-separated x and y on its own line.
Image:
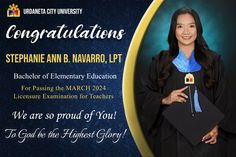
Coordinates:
163	138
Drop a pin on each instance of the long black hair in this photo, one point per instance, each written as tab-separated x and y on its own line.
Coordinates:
202	52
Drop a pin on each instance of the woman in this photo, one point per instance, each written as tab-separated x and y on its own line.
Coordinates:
188	53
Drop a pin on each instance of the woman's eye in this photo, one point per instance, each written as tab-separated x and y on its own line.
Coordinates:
179	26
192	26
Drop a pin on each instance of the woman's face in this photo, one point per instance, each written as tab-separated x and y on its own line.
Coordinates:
186	31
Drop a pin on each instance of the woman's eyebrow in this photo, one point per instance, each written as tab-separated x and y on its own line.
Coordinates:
186	23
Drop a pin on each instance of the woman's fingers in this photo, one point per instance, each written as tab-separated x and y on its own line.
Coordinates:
211	137
214	142
176	96
183	95
182	89
207	136
180	99
179	96
211	140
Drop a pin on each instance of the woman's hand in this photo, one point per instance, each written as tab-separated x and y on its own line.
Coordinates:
211	137
175	96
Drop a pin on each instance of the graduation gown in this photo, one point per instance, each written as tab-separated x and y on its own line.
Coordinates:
163	138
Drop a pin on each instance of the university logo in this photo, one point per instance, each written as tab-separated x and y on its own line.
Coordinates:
13	11
189	79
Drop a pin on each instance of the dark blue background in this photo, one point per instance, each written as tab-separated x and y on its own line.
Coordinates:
110	14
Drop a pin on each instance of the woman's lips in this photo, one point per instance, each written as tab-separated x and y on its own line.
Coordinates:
186	37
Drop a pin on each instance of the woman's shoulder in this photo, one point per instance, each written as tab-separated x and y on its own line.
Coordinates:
217	62
215	56
162	55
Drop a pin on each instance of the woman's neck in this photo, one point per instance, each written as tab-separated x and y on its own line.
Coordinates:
187	50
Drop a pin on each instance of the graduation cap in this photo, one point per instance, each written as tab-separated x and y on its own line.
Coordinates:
191	119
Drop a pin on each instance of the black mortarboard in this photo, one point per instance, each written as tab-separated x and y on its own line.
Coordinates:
191	124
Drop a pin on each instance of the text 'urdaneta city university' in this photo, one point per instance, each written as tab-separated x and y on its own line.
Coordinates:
53	11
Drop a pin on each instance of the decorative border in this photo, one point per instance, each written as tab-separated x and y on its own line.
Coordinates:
128	80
